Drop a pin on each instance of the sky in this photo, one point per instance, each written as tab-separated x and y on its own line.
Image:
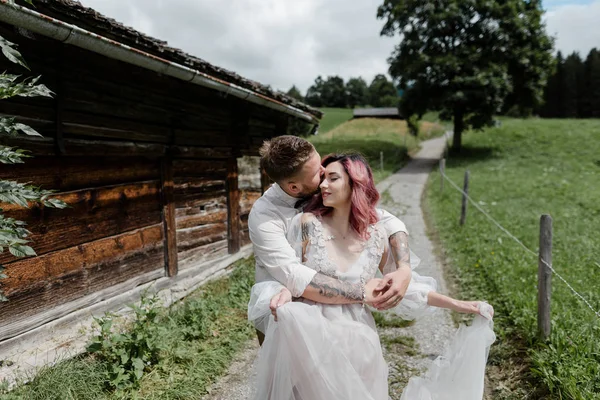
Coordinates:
290	42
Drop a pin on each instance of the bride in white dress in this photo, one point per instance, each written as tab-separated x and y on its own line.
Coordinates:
315	351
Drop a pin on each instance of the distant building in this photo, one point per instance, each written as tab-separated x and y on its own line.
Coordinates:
389	112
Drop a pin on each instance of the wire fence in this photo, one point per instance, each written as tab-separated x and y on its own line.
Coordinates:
528	250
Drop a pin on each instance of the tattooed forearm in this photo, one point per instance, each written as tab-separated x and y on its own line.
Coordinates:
399	248
334	290
305	231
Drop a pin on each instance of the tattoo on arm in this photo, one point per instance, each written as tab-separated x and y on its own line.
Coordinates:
399	248
331	288
305	231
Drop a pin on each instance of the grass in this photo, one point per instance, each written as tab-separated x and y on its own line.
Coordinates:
372	137
519	171
202	335
333	117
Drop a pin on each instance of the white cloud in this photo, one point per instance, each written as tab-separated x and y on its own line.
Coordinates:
285	42
275	42
575	27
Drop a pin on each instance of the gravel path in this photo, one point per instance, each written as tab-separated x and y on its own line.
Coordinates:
410	349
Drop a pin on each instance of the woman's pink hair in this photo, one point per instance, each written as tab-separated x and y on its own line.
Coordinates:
364	195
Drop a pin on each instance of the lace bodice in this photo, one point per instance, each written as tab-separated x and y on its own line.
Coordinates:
315	253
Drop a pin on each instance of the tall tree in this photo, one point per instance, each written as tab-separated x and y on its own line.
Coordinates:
465	58
357	92
313	94
551	108
591	92
382	92
333	93
571	75
294	92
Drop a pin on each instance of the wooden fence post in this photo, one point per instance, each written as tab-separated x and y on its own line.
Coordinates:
381	160
544	277
463	207
442	172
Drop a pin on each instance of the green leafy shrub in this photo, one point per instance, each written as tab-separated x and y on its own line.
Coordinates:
129	353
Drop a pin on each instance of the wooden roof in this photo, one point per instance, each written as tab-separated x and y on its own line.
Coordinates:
75	13
388	112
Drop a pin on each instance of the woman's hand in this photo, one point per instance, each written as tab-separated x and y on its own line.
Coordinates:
372	293
284	296
472	307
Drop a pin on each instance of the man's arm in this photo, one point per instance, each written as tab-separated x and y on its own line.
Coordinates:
273	252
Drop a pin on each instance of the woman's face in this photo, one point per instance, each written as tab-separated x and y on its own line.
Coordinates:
335	188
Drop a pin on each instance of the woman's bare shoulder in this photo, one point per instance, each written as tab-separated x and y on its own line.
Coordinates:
307	217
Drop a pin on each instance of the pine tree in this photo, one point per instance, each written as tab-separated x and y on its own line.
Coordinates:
591	91
572	78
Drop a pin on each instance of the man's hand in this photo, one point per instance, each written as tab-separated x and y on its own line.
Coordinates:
393	286
284	296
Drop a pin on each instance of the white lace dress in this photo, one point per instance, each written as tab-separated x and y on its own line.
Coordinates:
320	351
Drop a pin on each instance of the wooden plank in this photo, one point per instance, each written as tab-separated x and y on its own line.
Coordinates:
168	216
201	152
201	235
29	272
201	206
26	307
216	169
202	254
190	189
87	125
93	214
76	173
233	206
247	199
191	221
78	147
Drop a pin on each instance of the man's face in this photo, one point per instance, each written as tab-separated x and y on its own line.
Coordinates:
309	178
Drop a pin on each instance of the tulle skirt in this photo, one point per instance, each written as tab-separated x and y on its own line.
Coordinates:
318	351
310	356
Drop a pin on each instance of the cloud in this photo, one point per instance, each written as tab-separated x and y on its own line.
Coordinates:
281	42
275	42
575	27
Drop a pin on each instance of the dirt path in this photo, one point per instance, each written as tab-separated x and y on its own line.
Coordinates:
408	349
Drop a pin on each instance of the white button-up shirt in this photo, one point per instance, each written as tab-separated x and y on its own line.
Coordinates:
268	224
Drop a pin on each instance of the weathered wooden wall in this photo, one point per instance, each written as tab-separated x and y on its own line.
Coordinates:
148	166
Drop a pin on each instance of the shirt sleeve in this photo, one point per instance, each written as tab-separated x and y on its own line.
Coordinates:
273	252
390	223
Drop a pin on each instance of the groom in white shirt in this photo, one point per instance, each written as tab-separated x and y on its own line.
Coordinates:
295	166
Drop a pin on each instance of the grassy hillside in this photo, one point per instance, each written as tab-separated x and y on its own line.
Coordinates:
518	172
333	117
371	137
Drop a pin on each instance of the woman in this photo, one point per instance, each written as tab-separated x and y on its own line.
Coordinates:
324	351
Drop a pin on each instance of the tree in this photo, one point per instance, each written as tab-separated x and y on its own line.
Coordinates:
333	93
465	58
313	94
295	93
382	92
551	107
591	92
13	234
357	92
571	81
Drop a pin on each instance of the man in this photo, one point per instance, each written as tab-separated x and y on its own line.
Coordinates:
295	166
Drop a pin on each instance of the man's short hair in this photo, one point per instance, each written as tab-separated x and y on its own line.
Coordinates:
284	156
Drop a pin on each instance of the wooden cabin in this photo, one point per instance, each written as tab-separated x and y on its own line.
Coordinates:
142	141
